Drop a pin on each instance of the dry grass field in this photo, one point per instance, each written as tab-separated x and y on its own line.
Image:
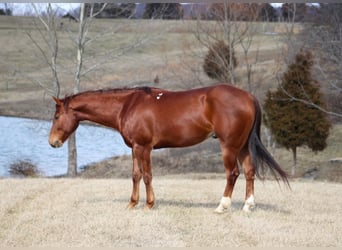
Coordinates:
79	212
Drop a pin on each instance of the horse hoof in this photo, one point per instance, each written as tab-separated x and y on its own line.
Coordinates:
131	205
148	206
249	205
223	206
248	208
220	210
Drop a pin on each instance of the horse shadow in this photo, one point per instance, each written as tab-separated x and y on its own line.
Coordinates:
235	206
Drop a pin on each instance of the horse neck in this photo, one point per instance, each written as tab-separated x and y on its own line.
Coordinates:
100	108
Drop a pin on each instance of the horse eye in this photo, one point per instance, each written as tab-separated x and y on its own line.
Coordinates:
56	117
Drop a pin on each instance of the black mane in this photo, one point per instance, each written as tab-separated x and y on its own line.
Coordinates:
147	90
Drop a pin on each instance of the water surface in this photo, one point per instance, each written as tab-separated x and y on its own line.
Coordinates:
27	139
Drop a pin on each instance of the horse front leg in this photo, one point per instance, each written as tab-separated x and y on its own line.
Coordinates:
147	176
142	169
136	178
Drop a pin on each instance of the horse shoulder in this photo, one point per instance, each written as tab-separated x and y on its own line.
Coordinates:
135	121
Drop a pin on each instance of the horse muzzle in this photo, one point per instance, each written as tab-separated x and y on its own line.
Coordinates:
55	143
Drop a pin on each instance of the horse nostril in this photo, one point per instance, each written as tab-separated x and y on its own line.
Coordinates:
56	144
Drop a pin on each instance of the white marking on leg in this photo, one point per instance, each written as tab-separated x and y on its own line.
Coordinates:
224	205
249	204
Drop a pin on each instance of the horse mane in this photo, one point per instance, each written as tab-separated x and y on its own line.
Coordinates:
147	90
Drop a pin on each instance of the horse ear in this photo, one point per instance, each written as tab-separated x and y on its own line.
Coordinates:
57	101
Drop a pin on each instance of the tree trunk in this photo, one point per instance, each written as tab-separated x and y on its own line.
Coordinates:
227	29
294	166
72	156
72	150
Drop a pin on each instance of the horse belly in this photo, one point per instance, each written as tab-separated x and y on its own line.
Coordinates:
181	137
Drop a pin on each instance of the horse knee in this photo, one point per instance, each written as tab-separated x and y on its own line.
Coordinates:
147	178
249	174
136	176
234	174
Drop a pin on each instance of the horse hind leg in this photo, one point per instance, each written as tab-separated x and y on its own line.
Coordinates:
249	172
232	173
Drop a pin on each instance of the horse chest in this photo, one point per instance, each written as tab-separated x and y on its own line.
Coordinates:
135	128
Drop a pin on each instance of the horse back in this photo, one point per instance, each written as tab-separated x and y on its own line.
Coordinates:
182	118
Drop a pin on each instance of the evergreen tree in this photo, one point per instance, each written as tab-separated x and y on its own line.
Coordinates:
294	123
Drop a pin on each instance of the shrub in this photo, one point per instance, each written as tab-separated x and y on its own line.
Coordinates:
217	62
24	168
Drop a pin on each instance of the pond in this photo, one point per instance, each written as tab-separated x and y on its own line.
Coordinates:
27	139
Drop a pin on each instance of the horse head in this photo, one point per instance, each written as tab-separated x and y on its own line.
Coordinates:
64	123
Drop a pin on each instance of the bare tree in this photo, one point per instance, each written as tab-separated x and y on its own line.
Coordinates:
224	29
234	24
50	38
81	42
247	41
325	40
325	36
84	63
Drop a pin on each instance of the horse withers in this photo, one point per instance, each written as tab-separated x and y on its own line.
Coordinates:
151	118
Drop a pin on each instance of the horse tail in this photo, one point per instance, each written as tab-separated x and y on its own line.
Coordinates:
260	156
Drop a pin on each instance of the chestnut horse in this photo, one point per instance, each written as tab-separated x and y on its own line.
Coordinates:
151	118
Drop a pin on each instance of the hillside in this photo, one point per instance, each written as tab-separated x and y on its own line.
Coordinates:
167	49
206	158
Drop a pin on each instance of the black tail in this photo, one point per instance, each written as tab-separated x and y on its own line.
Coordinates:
260	155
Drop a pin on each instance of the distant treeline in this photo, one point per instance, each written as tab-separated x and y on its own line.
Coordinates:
207	11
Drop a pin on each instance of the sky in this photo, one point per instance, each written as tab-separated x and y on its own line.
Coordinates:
22	8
